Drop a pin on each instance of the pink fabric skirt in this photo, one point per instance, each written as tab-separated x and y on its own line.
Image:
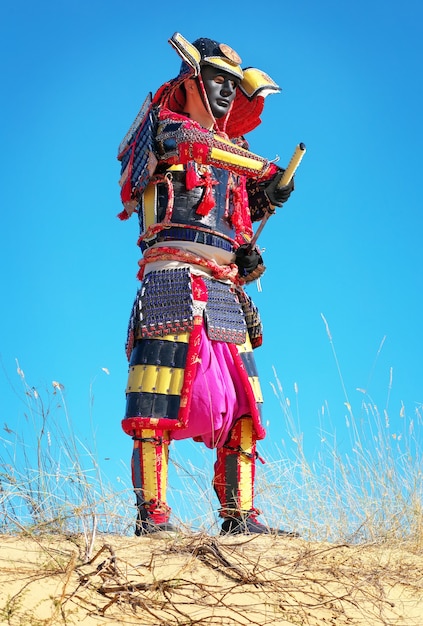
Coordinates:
218	395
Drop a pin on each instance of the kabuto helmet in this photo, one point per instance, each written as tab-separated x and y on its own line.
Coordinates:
217	55
254	84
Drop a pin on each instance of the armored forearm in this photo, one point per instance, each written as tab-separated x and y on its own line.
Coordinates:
179	140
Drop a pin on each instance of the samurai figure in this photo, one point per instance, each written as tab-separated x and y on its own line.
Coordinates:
188	173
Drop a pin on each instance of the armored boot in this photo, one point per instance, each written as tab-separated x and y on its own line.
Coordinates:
234	483
246	523
149	477
152	517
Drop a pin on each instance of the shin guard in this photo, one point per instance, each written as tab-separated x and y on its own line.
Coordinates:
149	472
235	470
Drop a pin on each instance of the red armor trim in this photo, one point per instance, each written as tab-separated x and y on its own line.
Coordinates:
149	472
234	470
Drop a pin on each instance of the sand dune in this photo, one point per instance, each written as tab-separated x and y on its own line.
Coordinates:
198	579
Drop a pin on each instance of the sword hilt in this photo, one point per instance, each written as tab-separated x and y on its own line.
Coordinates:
299	152
286	178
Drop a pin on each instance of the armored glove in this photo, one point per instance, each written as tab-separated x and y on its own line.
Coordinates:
278	195
249	262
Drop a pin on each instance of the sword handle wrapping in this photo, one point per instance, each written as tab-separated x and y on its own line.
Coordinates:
299	152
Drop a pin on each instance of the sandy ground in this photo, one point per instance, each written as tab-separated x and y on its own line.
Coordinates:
198	579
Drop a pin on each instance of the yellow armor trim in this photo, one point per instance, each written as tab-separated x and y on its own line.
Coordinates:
226	65
256	82
183	337
186	51
246	466
176	168
154	481
155	379
254	380
149	202
246	346
255	384
240	160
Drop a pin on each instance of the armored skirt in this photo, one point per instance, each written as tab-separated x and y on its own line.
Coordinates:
191	365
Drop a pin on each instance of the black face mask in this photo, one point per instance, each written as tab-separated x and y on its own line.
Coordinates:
220	88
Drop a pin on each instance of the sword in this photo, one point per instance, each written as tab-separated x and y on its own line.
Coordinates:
299	152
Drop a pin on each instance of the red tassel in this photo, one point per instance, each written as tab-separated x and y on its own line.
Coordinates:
123	215
256	342
241	219
191	179
207	202
130	207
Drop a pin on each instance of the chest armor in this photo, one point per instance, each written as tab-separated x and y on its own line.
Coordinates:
187	201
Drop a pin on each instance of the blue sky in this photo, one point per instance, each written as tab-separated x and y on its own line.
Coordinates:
348	244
